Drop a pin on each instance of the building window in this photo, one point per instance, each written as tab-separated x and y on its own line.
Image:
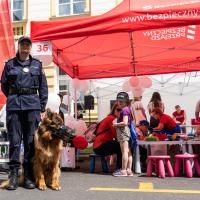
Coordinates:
61	72
71	7
17	7
63	85
18	31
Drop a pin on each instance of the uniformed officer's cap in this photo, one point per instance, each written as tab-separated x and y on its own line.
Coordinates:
24	39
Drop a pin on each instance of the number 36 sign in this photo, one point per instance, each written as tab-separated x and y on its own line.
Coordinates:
42	48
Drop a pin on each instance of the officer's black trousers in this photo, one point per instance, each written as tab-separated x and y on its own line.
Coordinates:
21	125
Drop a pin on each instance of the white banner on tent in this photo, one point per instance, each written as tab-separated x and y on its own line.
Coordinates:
42	48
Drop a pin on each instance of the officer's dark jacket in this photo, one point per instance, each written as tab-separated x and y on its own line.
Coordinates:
15	76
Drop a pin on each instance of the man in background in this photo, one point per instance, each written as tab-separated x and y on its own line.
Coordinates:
180	117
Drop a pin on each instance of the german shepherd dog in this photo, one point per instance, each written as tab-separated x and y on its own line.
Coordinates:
48	149
48	141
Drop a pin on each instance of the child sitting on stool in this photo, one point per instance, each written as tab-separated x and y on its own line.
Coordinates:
142	131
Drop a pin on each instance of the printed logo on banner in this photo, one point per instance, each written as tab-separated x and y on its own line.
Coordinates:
188	32
167	5
191	32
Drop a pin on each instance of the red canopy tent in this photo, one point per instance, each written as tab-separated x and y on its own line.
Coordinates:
138	37
7	45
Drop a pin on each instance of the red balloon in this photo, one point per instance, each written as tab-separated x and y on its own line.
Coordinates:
80	142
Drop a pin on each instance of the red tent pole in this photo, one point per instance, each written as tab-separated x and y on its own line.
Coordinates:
132	51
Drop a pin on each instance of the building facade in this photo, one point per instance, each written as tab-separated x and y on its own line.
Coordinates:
25	11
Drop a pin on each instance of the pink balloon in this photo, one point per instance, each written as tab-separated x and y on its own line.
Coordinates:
77	95
80	127
138	92
75	125
146	82
84	86
69	121
134	81
70	125
76	83
126	87
138	87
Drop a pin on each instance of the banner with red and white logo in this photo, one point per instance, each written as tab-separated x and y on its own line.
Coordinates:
137	37
7	46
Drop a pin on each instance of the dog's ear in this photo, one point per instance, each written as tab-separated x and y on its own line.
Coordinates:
57	119
49	113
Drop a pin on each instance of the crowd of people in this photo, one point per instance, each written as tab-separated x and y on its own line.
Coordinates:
116	140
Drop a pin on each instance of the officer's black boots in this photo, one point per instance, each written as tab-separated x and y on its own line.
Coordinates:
13	180
28	180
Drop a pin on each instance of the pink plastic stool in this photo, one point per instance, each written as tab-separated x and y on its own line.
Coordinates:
160	168
187	164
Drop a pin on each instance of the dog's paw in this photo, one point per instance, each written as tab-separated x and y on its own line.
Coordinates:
56	187
42	187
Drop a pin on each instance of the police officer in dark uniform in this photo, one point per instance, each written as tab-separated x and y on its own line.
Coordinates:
24	84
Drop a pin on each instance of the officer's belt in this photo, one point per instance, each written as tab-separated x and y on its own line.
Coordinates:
22	91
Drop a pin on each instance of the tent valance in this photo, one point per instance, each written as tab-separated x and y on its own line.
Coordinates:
138	37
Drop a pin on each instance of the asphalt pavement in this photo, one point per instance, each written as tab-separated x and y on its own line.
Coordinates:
79	184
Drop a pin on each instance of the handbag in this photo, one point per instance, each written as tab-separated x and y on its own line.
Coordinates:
133	135
68	157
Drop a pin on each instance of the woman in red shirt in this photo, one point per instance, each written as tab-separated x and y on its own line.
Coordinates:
166	124
105	143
